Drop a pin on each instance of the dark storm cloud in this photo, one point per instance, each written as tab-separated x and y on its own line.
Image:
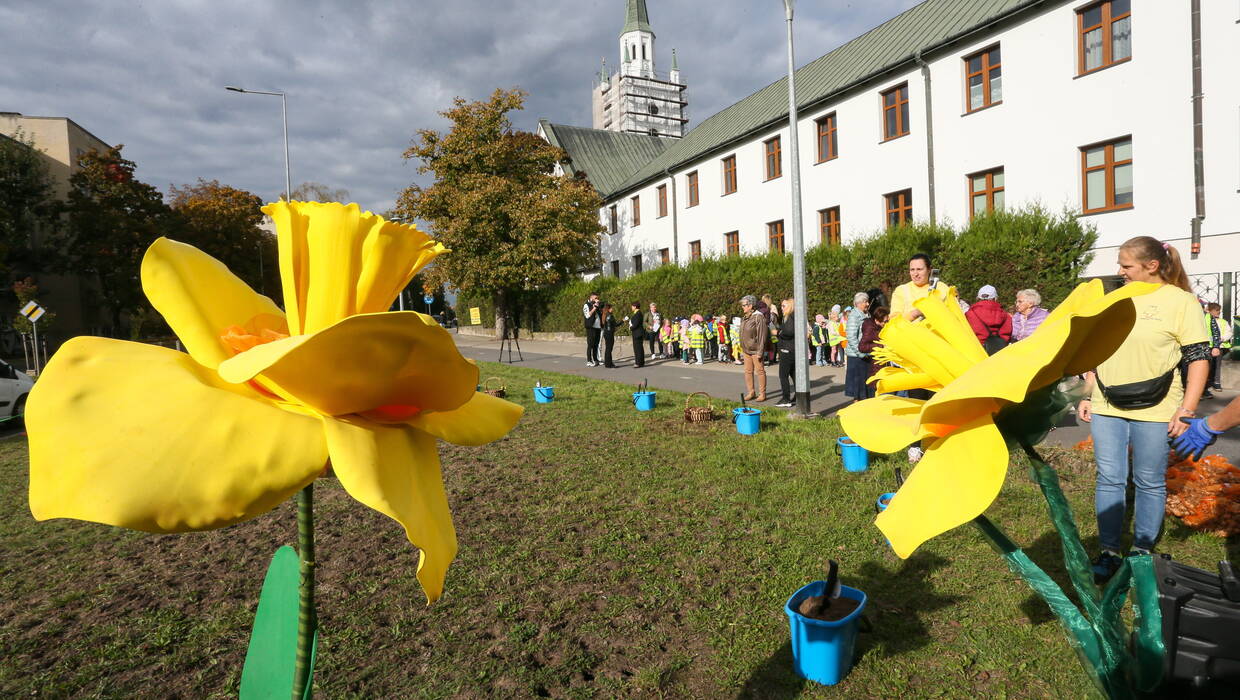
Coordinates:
362	77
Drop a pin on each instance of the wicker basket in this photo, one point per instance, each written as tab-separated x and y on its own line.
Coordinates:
699	414
499	393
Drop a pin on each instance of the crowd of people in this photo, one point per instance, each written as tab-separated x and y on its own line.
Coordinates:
1134	406
843	337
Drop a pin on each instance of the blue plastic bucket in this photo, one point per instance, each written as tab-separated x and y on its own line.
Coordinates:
883	501
823	651
747	420
643	400
544	394
856	458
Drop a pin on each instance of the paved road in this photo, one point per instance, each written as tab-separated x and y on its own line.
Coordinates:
726	381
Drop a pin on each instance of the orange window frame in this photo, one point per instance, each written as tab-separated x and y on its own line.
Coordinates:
775	235
773	159
895	100
828	144
984	71
1109	164
989	190
1105	21
695	250
899	206
662	199
732	242
729	175
829	225
691	180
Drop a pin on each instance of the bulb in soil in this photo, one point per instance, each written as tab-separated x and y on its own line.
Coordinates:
823	608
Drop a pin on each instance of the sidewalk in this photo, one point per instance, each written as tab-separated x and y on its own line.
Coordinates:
722	380
725	381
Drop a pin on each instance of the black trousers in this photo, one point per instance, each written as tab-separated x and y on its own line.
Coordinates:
592	335
1213	380
787	373
655	344
609	340
639	352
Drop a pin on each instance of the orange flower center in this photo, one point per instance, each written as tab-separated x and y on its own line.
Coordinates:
260	330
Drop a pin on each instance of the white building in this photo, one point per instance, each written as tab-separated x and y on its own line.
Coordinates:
639	99
955	106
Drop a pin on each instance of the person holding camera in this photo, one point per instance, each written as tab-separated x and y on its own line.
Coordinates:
921	283
594	327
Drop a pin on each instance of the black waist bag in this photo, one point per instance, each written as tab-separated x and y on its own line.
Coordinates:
1142	394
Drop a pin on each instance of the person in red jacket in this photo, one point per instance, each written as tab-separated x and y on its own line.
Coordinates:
991	324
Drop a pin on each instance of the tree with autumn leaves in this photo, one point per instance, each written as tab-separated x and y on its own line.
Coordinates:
111	218
225	222
513	225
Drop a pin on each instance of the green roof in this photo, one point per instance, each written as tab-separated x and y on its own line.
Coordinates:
930	25
635	17
607	158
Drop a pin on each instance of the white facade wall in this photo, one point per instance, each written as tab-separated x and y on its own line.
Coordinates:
1047	114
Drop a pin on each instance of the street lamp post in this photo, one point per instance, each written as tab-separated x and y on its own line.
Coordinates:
798	240
288	179
307	619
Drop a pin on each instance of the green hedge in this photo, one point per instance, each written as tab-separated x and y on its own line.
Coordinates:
1013	250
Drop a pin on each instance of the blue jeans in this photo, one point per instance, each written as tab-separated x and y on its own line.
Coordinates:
820	352
1148	440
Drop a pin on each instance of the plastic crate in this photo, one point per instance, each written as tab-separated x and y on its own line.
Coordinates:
1201	623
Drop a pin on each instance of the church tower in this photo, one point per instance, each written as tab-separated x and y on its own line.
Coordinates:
638	99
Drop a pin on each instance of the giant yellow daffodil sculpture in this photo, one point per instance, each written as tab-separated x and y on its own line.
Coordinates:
966	456
982	406
153	439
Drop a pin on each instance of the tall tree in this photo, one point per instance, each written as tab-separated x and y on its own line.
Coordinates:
225	223
112	218
26	204
513	225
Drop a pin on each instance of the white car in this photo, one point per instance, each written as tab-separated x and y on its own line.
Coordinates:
14	387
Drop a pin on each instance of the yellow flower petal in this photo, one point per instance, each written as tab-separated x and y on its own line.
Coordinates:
924	350
1075	343
956	480
199	298
884	423
337	261
889	380
1084	293
947	320
481	420
144	437
395	470
401	358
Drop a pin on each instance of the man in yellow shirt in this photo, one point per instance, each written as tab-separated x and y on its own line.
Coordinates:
918	286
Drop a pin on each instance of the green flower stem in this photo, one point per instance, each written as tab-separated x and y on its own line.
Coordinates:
307	621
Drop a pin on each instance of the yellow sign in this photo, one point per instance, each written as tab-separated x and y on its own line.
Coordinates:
33	311
475	316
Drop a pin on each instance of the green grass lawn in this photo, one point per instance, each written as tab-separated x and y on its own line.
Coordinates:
603	552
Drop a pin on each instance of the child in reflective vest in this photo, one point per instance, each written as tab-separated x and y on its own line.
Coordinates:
667	335
734	340
684	340
818	340
697	339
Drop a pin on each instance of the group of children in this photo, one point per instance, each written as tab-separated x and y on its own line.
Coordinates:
696	338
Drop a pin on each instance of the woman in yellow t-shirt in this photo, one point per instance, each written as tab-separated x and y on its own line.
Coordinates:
1136	401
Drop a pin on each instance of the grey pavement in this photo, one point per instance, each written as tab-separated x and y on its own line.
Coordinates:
725	381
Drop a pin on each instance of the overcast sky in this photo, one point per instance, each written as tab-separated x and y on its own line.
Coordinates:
362	77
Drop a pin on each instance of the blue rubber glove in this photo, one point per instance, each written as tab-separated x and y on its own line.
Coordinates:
1196	439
